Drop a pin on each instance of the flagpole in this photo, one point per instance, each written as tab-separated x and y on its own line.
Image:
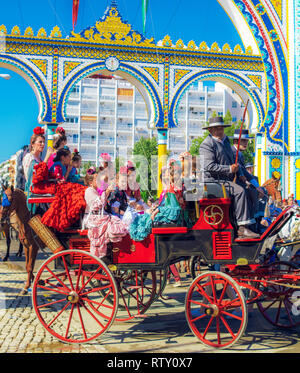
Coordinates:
240	135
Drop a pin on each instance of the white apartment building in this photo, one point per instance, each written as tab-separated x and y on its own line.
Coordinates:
108	114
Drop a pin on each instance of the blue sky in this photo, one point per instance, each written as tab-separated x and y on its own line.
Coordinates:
198	20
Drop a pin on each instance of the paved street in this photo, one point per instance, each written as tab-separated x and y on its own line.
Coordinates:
164	330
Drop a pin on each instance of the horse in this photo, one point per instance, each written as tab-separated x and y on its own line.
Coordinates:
5	228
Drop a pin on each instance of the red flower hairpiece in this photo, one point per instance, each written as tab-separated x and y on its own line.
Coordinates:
91	171
60	130
123	170
38	131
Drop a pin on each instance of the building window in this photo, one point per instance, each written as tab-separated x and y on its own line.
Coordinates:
234	104
234	119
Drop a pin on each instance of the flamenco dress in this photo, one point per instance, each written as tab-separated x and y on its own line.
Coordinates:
102	226
169	212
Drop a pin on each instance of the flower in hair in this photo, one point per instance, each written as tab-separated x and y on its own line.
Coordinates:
184	155
123	170
91	171
105	157
38	131
60	130
75	151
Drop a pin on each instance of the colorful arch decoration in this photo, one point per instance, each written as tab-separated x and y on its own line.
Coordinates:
267	61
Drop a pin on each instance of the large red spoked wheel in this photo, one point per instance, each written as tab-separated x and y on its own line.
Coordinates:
66	301
279	302
137	291
216	309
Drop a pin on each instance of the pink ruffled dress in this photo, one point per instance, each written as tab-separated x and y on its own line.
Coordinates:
102	227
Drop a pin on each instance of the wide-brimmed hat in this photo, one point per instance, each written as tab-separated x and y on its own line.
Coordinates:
247	165
216	122
244	135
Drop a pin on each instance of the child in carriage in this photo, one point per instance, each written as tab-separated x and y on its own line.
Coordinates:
74	176
103	227
166	211
61	165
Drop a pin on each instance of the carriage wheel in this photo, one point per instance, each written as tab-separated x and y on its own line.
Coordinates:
279	303
197	266
137	291
296	260
216	309
65	301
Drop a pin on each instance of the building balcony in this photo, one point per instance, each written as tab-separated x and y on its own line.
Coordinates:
74	96
72	111
107	98
87	142
90	82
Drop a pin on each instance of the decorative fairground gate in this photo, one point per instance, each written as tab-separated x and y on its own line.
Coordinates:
53	64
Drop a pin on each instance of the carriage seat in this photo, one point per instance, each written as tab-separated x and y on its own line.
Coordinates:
40	198
196	192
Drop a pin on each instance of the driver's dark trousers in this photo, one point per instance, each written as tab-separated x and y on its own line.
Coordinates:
241	207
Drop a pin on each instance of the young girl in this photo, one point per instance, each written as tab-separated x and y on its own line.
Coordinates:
102	226
168	211
59	142
74	176
61	165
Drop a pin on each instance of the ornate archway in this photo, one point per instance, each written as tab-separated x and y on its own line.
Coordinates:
53	63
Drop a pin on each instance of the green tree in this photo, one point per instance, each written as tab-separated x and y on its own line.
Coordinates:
146	147
195	145
84	167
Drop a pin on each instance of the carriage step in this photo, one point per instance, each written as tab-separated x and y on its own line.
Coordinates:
140	316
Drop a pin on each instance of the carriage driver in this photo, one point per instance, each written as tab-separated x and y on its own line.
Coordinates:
219	165
247	180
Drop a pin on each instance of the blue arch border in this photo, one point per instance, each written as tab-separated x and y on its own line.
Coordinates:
211	73
45	98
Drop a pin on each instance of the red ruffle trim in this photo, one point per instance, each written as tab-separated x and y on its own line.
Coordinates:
67	206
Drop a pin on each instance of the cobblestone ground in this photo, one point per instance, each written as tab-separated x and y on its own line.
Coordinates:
20	329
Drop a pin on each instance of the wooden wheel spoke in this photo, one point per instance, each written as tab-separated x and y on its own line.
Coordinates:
51	303
223	292
90	302
218	330
68	273
213	289
52	289
79	273
270	305
278	311
227	327
203	293
61	311
198	318
231	302
233	315
57	278
199	303
81	321
90	278
207	327
93	316
69	321
288	312
93	290
100	304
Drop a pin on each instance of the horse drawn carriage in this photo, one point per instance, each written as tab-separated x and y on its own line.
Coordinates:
87	294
